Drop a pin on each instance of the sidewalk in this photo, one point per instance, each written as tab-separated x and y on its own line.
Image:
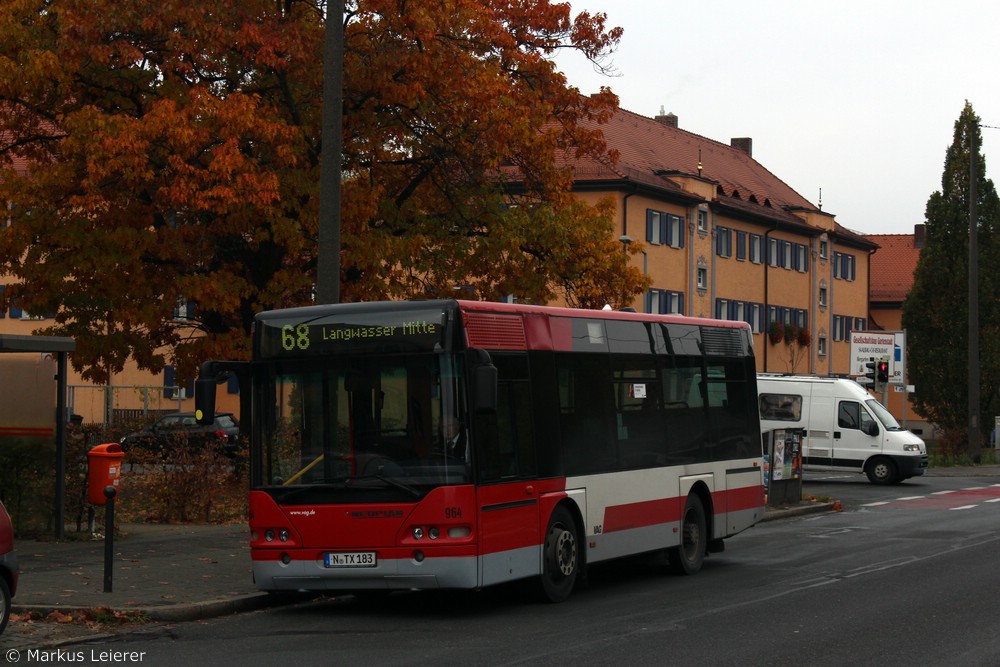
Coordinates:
160	573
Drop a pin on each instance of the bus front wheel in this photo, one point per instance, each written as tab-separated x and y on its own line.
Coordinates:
560	557
689	556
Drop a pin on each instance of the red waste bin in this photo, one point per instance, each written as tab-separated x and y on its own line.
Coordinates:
104	468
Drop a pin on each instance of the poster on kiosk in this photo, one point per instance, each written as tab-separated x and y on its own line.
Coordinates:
783	466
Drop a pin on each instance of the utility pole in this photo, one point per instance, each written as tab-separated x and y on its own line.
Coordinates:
328	253
974	437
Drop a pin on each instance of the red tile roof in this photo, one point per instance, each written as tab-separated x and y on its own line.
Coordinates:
892	267
650	151
648	146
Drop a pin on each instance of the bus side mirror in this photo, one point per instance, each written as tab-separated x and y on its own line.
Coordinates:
209	375
485	386
204	400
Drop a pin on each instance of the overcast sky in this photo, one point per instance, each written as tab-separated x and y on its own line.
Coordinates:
857	99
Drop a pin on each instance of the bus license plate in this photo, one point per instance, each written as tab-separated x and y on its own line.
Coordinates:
351	559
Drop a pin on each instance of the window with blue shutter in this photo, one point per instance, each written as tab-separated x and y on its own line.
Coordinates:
168	382
721	306
674	231
755	251
664	302
724	242
656	227
741	246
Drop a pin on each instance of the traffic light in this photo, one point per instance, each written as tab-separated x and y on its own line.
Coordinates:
870	371
882	373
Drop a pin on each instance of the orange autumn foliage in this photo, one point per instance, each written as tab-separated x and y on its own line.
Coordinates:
157	152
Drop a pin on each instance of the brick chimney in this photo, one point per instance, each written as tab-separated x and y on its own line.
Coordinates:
670	120
919	232
744	144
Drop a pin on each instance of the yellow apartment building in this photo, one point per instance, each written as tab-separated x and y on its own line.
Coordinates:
724	237
131	394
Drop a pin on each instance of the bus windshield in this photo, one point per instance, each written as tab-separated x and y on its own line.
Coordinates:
392	423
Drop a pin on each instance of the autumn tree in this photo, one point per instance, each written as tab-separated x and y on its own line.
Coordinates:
935	313
168	153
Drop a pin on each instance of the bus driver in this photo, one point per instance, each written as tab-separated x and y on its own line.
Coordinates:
455	443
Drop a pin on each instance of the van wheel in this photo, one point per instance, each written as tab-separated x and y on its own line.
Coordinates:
560	557
881	470
689	556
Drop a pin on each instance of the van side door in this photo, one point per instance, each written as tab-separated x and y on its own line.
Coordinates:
855	436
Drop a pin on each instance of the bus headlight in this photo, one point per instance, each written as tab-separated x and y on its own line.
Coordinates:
418	533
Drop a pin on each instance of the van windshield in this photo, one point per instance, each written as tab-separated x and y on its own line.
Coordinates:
883	415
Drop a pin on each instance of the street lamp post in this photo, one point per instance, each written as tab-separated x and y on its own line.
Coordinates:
328	253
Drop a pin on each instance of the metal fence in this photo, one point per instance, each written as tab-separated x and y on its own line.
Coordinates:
117	404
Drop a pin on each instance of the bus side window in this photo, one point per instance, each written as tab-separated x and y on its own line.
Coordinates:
584	413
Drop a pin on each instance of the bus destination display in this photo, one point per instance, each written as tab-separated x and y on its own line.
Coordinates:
285	338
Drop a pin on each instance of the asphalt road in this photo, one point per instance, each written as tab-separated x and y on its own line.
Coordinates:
905	576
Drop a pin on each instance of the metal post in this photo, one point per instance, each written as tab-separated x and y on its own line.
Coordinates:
974	436
109	535
906	393
328	260
61	418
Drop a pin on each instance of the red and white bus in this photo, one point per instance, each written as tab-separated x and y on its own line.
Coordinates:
459	444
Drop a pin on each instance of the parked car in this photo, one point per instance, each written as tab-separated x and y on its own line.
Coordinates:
8	567
179	428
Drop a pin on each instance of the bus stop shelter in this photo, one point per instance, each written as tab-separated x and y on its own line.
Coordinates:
59	346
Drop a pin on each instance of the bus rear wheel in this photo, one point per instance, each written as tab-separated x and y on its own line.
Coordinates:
560	557
690	555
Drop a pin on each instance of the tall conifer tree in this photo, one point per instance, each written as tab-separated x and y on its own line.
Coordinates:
936	311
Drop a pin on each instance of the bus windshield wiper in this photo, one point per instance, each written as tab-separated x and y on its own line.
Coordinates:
400	485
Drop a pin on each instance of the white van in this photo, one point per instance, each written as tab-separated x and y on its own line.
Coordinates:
845	428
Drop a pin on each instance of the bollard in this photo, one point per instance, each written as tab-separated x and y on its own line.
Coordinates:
109	535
